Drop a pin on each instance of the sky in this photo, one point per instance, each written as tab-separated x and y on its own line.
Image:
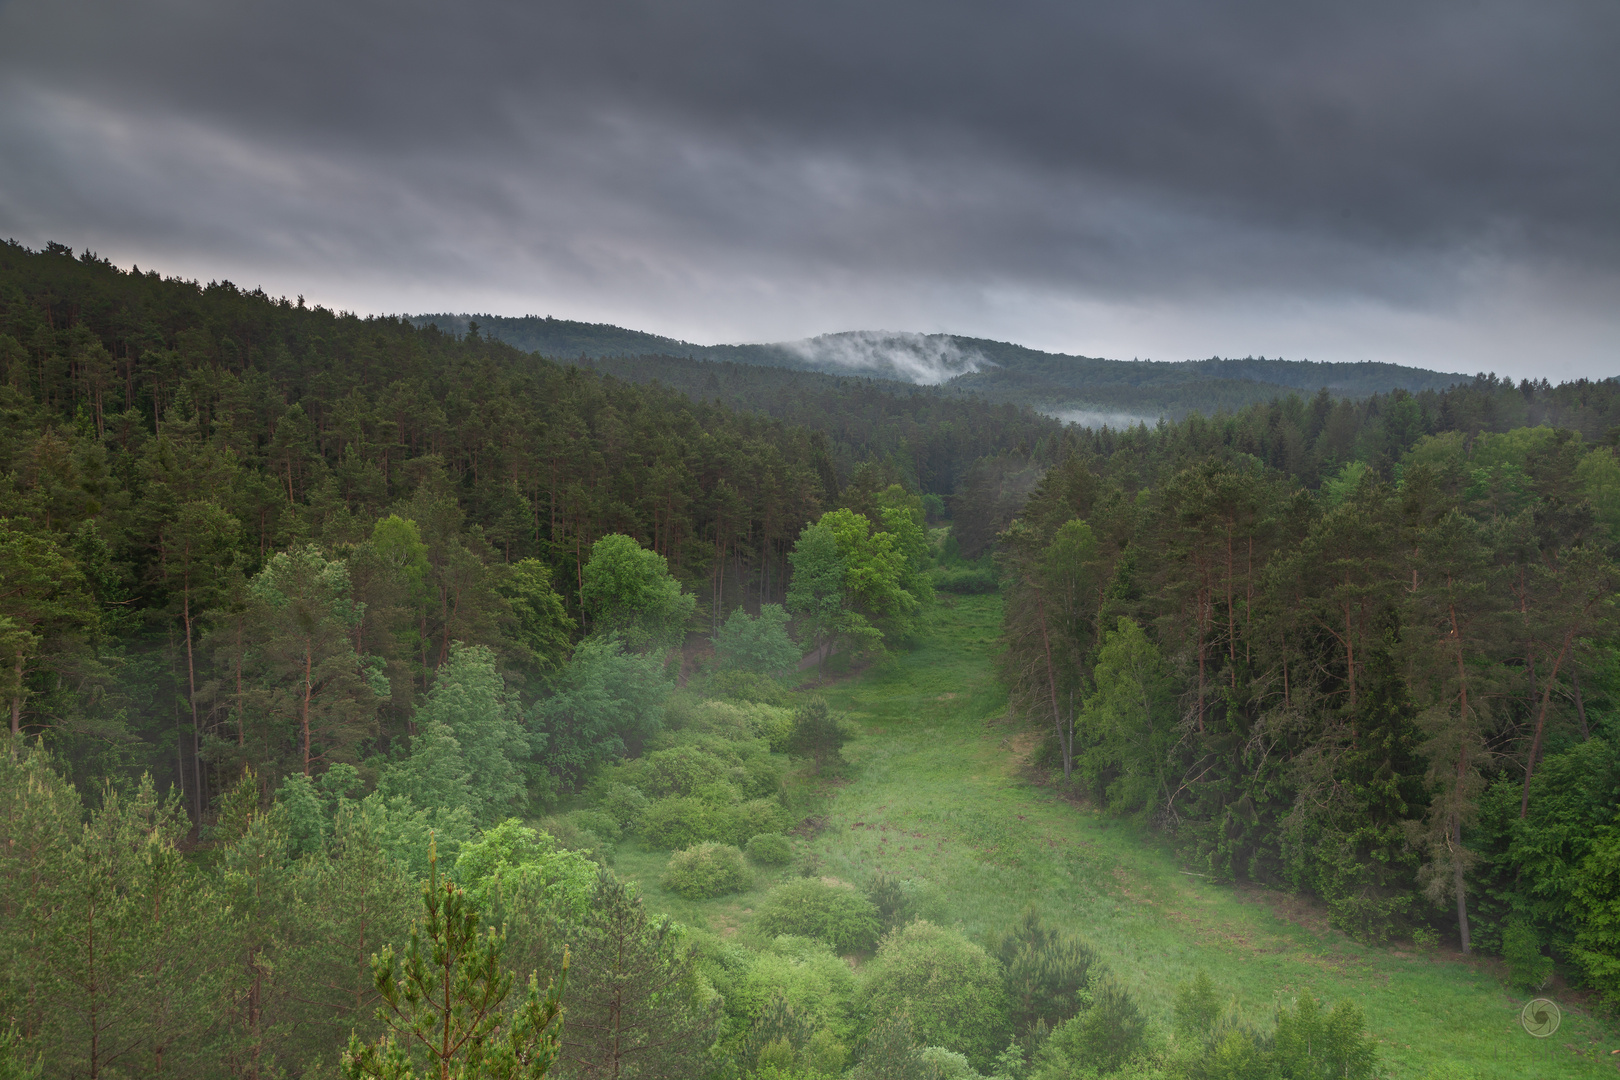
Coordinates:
1434	184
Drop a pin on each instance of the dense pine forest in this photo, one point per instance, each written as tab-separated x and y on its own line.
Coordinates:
351	665
1395	691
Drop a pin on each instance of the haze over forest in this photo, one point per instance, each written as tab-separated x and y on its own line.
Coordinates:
1077	389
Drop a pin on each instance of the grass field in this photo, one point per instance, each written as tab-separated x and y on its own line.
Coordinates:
938	791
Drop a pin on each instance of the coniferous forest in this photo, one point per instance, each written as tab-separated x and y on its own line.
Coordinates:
355	670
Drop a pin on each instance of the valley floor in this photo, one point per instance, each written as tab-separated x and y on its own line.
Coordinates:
940	792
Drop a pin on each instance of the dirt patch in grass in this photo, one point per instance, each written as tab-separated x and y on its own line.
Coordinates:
1052	780
1301	911
810	826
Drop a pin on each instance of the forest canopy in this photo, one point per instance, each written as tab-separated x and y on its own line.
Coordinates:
330	644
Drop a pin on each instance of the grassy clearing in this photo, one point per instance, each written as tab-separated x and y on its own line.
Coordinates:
937	793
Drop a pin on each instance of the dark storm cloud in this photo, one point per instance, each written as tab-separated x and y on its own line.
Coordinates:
1404	155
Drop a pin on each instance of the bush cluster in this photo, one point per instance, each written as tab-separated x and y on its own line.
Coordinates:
706	870
951	987
965	580
770	849
812	908
683	821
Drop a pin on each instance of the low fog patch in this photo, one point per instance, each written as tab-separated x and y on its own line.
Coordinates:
927	359
1100	418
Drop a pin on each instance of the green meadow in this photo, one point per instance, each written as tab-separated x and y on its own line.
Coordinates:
939	791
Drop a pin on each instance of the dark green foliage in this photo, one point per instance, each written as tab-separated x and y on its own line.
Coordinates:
1595	907
624	804
891	1051
782	1043
604	704
817	734
707	870
634	1006
1336	645
598	822
889	897
770	849
1528	968
404	487
812	908
680	822
1045	972
1312	1045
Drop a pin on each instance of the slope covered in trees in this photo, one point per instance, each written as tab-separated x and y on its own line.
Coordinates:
220	505
925	436
1364	650
324	637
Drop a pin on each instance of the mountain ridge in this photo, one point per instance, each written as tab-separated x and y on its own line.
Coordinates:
1060	384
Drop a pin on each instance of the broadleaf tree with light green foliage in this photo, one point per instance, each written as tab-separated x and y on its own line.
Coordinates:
628	593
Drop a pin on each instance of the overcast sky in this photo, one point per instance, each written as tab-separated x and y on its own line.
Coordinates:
1428	183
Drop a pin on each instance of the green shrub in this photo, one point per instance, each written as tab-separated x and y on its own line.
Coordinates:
1528	970
572	836
890	900
706	870
734	721
679	770
1198	1009
599	822
943	1064
794	987
747	686
759	777
818	734
1310	1042
1103	1037
950	987
1044	971
721	793
757	644
678	823
811	908
624	804
759	816
891	1052
965	580
770	849
1596	891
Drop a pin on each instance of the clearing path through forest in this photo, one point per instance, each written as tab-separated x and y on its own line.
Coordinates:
940	792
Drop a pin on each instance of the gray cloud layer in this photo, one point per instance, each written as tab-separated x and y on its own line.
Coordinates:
1430	183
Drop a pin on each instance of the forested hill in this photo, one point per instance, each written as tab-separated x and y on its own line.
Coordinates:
998	370
928	437
163	443
375	604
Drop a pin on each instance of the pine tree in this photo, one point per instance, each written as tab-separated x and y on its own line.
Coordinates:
444	1003
633	1006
